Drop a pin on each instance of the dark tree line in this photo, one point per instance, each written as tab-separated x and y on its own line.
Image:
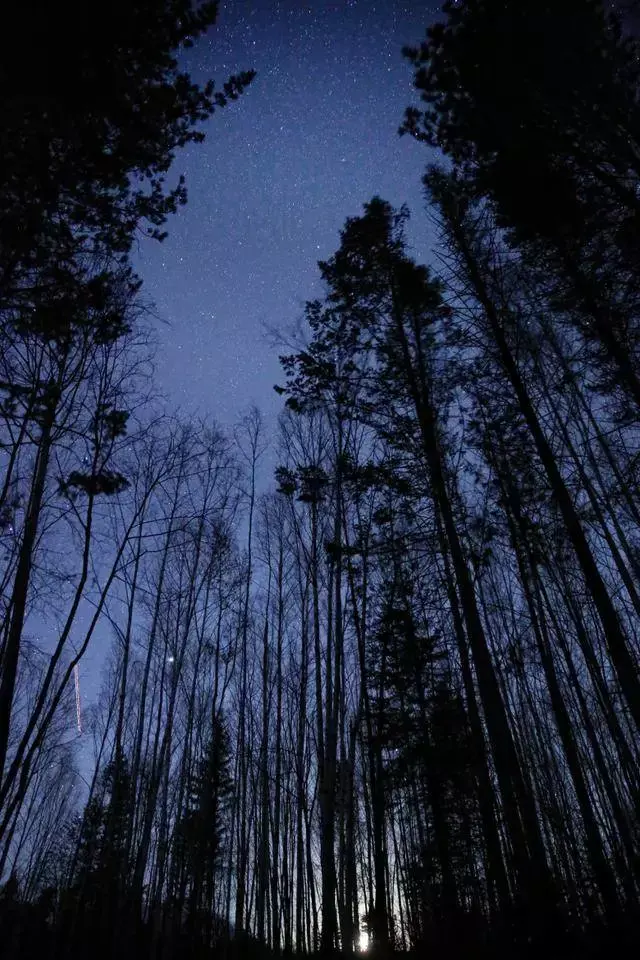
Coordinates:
392	702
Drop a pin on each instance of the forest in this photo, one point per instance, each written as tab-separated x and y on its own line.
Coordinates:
389	706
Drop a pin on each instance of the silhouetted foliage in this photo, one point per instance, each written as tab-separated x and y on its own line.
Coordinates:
394	701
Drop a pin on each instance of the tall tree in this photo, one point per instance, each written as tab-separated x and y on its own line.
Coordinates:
538	108
91	124
86	146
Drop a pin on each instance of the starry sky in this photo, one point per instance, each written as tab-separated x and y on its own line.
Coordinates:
312	139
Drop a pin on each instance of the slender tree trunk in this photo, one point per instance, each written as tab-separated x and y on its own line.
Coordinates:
622	660
602	871
518	804
21	583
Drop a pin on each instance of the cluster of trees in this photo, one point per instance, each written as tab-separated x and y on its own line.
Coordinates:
394	701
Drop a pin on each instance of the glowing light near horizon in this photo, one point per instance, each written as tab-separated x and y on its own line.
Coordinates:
363	942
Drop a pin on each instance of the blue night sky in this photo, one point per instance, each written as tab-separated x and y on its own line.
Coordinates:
312	139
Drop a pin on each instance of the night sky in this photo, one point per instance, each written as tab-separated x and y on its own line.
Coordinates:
312	139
